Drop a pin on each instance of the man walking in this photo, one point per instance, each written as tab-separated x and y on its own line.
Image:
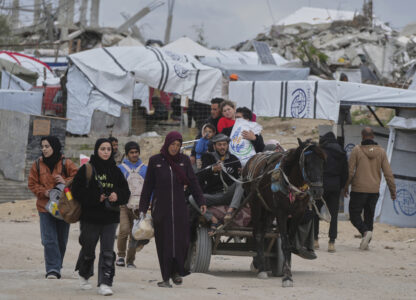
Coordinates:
134	171
365	165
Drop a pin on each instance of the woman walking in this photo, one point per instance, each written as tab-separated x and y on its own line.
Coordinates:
46	172
100	198
168	175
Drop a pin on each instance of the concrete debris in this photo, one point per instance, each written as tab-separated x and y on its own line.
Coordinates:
346	44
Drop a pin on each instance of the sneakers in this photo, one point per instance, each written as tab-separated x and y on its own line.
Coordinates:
164	284
84	284
121	262
366	240
53	275
105	290
331	247
131	266
316	244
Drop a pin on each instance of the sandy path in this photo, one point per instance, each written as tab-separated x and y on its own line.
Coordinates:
387	271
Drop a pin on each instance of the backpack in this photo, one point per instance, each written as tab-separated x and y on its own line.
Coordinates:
70	209
135	182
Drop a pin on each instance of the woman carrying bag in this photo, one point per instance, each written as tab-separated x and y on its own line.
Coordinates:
168	175
100	199
46	172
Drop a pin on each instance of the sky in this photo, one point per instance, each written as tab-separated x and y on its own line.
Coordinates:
228	22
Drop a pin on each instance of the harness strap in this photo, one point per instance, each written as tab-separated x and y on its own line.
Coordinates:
262	199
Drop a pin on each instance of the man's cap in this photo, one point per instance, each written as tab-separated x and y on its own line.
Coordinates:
220	138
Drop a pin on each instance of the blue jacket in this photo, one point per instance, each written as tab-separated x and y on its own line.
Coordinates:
142	171
201	147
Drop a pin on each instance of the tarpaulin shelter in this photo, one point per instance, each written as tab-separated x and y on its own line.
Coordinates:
105	79
16	69
33	64
28	102
321	100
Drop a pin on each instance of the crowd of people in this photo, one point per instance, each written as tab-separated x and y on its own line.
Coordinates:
114	189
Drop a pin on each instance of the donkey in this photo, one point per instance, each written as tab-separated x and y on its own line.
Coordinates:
283	184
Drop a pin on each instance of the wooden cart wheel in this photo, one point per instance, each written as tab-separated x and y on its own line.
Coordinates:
200	252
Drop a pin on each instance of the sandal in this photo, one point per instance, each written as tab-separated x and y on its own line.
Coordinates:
176	279
214	227
228	216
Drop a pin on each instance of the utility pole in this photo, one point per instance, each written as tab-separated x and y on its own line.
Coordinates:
171	4
15	14
36	14
95	11
62	20
83	13
49	20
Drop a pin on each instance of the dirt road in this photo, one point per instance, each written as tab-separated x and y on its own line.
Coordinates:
386	271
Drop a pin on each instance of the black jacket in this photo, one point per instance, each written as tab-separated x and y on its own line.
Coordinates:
211	182
336	166
94	211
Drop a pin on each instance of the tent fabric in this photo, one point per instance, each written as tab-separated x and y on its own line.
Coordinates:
292	99
113	71
31	63
238	58
185	45
16	69
403	123
21	101
83	99
365	94
12	82
260	72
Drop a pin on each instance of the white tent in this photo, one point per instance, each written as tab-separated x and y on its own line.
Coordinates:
105	79
27	102
185	45
232	57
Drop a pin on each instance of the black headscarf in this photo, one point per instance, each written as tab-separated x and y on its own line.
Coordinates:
100	165
56	155
173	160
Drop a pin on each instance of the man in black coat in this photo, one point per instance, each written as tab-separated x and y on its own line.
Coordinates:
218	187
335	177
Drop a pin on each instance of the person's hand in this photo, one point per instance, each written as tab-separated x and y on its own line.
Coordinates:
217	167
102	197
112	197
203	209
393	196
59	179
47	193
248	135
193	159
346	193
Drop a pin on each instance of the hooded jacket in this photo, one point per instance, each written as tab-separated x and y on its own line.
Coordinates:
365	165
336	165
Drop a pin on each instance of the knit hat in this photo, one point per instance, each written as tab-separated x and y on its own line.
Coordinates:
131	145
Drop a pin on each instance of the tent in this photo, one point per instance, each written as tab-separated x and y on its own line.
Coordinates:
28	102
237	58
321	100
43	70
105	79
16	69
12	82
185	45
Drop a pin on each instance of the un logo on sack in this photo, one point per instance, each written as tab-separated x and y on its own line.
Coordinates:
298	107
181	71
405	202
348	148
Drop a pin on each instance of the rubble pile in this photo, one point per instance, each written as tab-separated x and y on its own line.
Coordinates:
346	44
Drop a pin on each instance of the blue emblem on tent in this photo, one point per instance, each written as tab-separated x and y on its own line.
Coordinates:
298	107
405	202
182	72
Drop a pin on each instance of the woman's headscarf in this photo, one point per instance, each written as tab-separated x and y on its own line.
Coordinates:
173	160
56	155
102	166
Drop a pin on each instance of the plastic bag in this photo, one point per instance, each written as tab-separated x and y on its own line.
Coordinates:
143	228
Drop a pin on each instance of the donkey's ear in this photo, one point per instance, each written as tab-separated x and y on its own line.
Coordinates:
300	142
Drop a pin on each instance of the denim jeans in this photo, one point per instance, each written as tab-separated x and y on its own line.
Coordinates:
54	235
